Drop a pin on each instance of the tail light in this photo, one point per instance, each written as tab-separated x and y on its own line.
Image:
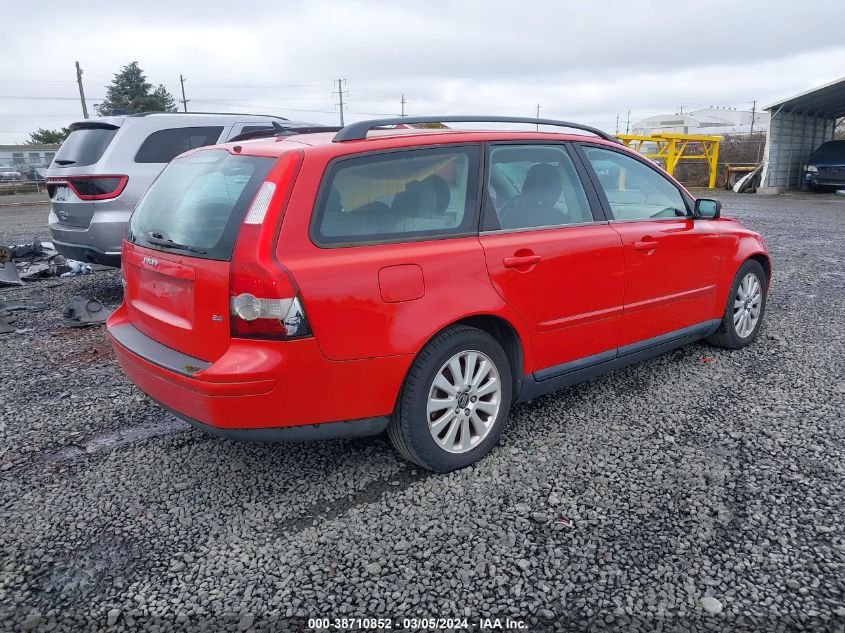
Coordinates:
92	187
263	296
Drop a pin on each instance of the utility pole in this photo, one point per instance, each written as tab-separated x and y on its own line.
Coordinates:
81	91
403	102
184	100
753	116
538	117
340	99
617	124
628	123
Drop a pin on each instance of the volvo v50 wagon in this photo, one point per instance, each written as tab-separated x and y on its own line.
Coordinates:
420	281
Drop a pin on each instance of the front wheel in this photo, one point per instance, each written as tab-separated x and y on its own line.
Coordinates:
454	402
745	307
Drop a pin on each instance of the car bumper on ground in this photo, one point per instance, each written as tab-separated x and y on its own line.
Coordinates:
260	390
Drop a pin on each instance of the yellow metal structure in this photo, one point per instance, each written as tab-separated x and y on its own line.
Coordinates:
673	148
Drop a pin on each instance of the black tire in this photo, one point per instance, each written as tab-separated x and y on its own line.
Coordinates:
409	426
726	336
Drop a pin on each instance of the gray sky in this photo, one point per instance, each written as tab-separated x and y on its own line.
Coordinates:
585	61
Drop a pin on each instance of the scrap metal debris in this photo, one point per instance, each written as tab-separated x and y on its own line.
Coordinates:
39	260
83	312
7	306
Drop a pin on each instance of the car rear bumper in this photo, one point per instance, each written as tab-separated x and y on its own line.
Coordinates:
263	390
87	253
99	242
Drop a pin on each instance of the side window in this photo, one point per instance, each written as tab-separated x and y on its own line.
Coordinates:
534	186
635	191
253	128
165	145
406	194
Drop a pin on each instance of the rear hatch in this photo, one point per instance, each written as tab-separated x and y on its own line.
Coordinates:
176	260
70	186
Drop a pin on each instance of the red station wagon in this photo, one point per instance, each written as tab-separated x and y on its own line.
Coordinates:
339	283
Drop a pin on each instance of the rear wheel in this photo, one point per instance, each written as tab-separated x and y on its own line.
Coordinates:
454	402
745	307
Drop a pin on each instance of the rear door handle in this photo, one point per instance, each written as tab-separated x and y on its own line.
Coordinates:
517	261
645	245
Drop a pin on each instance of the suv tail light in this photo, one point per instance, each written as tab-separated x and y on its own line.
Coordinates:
263	299
92	187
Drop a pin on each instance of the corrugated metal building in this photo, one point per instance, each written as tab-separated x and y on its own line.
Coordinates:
798	125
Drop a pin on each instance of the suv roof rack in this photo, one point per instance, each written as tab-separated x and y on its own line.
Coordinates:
283	129
358	131
139	114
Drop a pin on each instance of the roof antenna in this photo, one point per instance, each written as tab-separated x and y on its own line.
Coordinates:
278	129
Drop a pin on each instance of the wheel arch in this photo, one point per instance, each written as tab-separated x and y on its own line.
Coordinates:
501	329
765	262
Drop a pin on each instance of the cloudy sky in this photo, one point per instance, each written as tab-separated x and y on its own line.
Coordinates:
584	61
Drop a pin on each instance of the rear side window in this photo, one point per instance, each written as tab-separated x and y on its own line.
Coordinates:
85	146
254	128
396	196
534	186
165	145
197	204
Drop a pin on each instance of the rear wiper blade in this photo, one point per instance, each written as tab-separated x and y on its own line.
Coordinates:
155	238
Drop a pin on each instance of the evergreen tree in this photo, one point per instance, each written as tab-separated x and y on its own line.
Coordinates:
47	137
130	92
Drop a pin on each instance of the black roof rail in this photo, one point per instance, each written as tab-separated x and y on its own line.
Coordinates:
139	114
281	129
358	131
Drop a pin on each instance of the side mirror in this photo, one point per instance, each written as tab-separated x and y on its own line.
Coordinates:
707	209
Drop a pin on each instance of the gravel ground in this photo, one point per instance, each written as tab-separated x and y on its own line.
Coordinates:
699	490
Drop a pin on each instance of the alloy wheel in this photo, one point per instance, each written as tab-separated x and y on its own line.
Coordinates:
747	304
464	401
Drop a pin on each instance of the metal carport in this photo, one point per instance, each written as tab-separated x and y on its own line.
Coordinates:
798	125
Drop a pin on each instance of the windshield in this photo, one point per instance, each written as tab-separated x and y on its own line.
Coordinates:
830	152
84	147
198	203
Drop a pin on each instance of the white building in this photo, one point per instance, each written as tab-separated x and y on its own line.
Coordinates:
712	120
23	158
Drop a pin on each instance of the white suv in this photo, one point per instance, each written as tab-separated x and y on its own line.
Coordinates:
105	166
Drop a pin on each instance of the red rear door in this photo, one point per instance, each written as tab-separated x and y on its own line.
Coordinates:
554	261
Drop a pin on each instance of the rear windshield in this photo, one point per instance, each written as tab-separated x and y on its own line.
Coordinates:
833	151
84	147
197	204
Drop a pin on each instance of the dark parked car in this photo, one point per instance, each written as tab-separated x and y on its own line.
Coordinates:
826	167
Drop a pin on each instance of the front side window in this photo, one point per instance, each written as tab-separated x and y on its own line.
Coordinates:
635	191
413	194
165	145
533	186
